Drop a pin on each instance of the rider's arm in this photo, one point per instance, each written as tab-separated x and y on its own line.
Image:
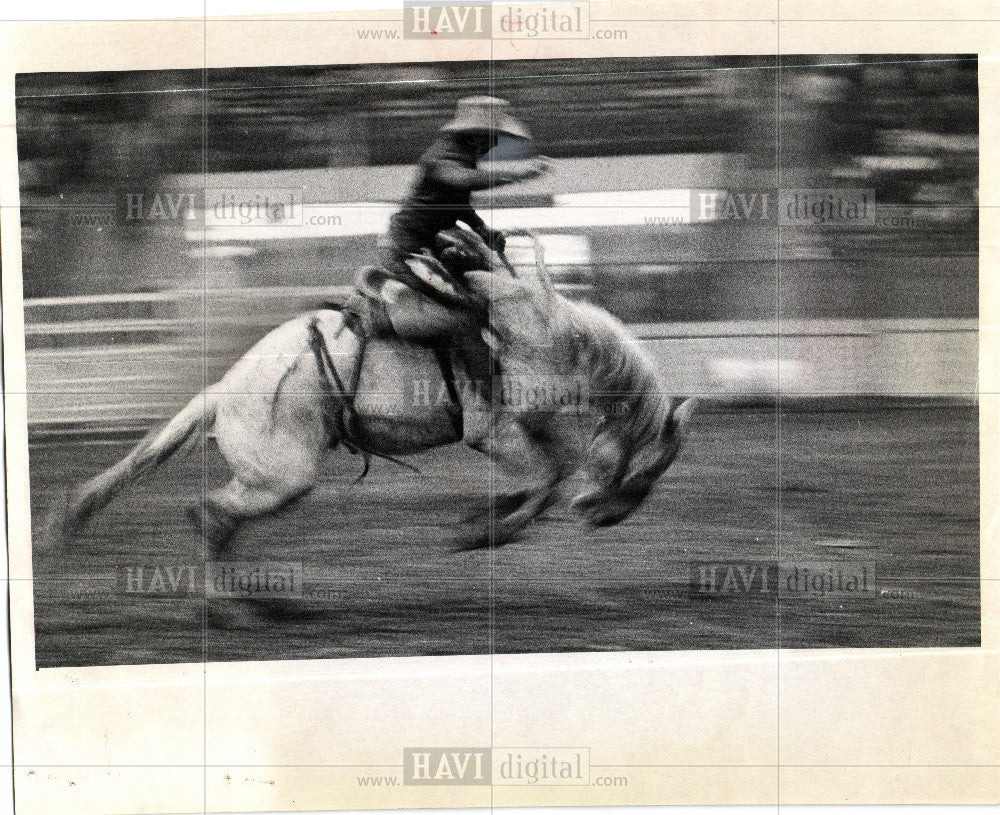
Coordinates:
457	175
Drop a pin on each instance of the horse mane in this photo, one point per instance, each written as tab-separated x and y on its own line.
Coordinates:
623	380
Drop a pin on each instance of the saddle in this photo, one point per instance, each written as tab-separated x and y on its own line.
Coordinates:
366	316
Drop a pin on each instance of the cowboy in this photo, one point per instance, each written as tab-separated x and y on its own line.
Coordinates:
440	198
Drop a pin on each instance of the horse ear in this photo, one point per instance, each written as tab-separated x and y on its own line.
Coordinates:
678	416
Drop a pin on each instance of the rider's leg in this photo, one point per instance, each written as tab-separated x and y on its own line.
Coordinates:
414	316
418	318
479	363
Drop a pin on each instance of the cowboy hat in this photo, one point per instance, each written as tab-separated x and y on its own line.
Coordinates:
485	114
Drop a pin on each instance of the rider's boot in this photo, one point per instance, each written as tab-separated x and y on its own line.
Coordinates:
479	363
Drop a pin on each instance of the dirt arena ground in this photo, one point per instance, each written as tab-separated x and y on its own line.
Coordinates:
892	487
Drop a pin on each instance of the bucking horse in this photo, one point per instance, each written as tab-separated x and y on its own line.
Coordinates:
316	383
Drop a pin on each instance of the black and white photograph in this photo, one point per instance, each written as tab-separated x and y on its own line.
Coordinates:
502	357
453	404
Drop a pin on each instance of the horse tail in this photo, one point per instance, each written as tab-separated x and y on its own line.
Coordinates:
178	435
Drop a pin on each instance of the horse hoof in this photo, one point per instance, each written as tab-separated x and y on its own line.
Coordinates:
498	507
506	504
485	540
472	543
585	502
595	510
604	516
605	519
494	536
214	529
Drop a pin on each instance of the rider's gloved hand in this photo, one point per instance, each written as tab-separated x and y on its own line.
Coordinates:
539	166
494	239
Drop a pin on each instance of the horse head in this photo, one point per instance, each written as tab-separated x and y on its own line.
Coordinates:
625	466
639	430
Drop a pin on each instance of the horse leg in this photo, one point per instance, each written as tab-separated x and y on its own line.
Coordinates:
274	440
535	448
218	519
554	462
224	509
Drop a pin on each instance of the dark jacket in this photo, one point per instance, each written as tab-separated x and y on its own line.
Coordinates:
446	178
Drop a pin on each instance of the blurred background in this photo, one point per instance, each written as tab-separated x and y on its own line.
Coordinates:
136	293
171	218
